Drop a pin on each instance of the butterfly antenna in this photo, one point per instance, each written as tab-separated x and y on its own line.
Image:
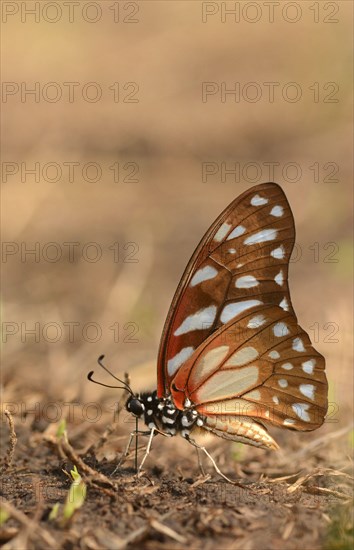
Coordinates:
90	377
125	386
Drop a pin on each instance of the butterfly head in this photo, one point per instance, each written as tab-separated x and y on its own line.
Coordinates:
135	406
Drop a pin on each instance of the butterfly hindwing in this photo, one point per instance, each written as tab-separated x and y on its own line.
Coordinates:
241	262
261	366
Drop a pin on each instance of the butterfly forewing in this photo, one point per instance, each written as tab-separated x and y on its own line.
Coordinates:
242	262
259	366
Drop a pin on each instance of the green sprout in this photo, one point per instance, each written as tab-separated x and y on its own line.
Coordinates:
74	500
61	431
76	496
75	474
4	515
54	512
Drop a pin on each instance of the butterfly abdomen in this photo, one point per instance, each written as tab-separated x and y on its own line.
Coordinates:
241	429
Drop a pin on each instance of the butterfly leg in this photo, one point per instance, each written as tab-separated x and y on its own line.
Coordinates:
126	452
199	447
148	447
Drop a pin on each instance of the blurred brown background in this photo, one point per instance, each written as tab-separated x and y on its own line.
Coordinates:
144	112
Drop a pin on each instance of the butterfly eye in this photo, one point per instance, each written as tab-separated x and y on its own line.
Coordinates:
135	406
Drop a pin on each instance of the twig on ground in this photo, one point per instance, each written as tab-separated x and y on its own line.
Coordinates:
7	460
92	476
315	489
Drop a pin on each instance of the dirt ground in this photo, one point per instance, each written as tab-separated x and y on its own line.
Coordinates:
144	214
298	497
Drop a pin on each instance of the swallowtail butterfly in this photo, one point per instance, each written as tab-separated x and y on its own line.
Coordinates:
232	356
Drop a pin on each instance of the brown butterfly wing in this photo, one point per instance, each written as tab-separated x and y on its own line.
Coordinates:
259	368
242	261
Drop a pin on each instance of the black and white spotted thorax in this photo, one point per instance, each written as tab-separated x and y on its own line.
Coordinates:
160	413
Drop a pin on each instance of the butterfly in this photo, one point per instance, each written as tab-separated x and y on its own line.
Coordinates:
232	358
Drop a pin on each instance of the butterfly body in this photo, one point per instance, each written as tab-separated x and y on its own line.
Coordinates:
161	414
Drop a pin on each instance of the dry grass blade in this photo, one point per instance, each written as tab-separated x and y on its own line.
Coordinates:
299	482
303	482
167	531
288	530
201	481
278	479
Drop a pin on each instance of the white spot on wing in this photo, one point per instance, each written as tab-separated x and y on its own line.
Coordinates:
275	399
221	385
289	422
280	329
242	356
247	281
277	211
308	366
239	230
232	250
287	366
255	394
284	304
209	362
283	383
222	232
258	201
278	253
231	310
298	345
261	236
300	409
279	279
256	321
175	362
203	319
274	354
308	390
204	274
